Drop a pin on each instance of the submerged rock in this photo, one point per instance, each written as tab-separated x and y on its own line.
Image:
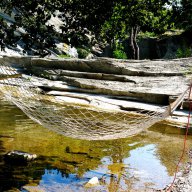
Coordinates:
92	182
33	188
19	157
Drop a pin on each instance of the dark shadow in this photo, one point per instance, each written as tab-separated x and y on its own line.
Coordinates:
13	176
2	152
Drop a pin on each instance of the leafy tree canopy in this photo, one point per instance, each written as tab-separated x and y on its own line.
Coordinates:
183	14
131	16
32	16
78	16
114	19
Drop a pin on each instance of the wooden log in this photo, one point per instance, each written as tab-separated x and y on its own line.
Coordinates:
178	101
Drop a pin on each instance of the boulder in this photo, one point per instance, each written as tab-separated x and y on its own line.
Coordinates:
150	81
79	80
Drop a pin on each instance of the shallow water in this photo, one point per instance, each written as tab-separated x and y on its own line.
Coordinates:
64	164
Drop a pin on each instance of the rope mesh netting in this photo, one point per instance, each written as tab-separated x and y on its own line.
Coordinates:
78	121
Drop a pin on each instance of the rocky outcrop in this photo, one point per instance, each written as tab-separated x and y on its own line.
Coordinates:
166	46
108	83
118	67
145	80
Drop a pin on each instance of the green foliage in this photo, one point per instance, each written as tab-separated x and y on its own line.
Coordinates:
183	14
103	19
79	17
119	54
82	16
32	16
147	34
64	56
130	17
82	53
183	52
149	15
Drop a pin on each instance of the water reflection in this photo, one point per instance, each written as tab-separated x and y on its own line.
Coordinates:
140	162
147	166
54	179
135	171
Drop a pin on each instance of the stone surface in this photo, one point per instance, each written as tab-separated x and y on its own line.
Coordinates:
145	80
148	81
108	83
120	67
182	183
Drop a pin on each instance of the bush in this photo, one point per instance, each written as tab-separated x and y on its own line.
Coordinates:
183	52
82	53
119	54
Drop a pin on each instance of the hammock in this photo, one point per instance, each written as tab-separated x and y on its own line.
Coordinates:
78	121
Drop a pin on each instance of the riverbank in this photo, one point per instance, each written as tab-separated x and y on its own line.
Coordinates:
183	181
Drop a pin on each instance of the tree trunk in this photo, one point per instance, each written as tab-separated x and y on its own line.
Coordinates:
132	43
136	47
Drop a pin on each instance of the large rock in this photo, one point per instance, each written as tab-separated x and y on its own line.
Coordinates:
100	84
145	80
118	67
151	81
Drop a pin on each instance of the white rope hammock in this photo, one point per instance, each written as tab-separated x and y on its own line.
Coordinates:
78	121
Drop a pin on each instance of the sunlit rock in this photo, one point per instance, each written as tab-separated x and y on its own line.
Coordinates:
71	51
90	56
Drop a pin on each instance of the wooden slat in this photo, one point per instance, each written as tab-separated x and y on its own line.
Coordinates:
178	101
